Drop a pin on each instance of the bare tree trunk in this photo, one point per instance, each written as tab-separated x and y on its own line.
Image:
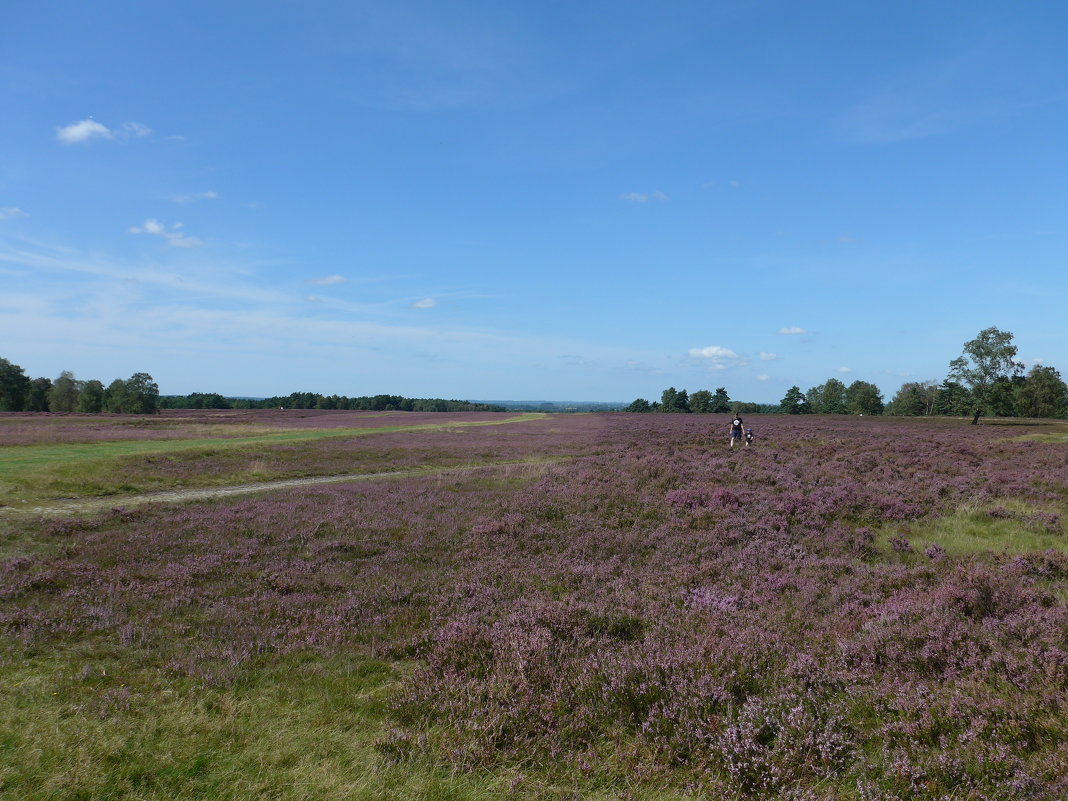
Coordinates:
976	416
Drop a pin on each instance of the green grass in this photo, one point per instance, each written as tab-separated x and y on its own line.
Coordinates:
31	474
89	726
17	458
971	529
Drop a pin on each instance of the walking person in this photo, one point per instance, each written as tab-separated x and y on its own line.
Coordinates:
748	437
736	428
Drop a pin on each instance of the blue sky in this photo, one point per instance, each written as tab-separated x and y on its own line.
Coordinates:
556	200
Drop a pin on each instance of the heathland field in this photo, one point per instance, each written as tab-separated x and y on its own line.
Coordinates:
351	605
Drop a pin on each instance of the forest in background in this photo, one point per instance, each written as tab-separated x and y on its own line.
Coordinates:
986	379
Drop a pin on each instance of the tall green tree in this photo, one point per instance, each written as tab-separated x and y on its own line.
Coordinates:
37	397
985	359
14	387
674	401
701	401
953	399
640	405
828	398
863	397
91	398
115	397
1002	401
64	394
908	402
721	401
142	394
795	402
1043	394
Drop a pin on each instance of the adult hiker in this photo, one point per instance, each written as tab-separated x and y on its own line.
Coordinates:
736	428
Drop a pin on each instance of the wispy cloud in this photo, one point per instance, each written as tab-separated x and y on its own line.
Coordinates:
642	197
938	98
844	370
212	280
425	303
328	280
86	130
792	330
767	357
209	195
11	212
174	236
763	377
206	305
133	130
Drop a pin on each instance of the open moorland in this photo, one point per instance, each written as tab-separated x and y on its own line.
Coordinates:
533	607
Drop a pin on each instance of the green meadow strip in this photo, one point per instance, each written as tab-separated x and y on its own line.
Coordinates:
19	457
185	494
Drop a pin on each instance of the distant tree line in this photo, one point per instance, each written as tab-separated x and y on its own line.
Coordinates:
139	394
679	401
363	403
985	379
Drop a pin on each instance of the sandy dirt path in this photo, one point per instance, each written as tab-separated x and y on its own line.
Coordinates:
89	505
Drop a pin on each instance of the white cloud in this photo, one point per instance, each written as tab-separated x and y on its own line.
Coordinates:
209	195
844	370
425	303
328	280
634	197
767	357
10	213
84	130
713	352
659	195
793	330
174	236
764	377
717	358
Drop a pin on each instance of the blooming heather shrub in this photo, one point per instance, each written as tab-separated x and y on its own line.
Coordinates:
658	608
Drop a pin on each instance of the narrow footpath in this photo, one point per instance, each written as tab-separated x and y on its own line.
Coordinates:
88	505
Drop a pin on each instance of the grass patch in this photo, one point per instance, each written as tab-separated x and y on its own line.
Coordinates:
17	458
1006	526
299	728
32	473
296	729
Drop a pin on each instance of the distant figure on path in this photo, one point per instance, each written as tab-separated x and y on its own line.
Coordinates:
748	437
736	428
